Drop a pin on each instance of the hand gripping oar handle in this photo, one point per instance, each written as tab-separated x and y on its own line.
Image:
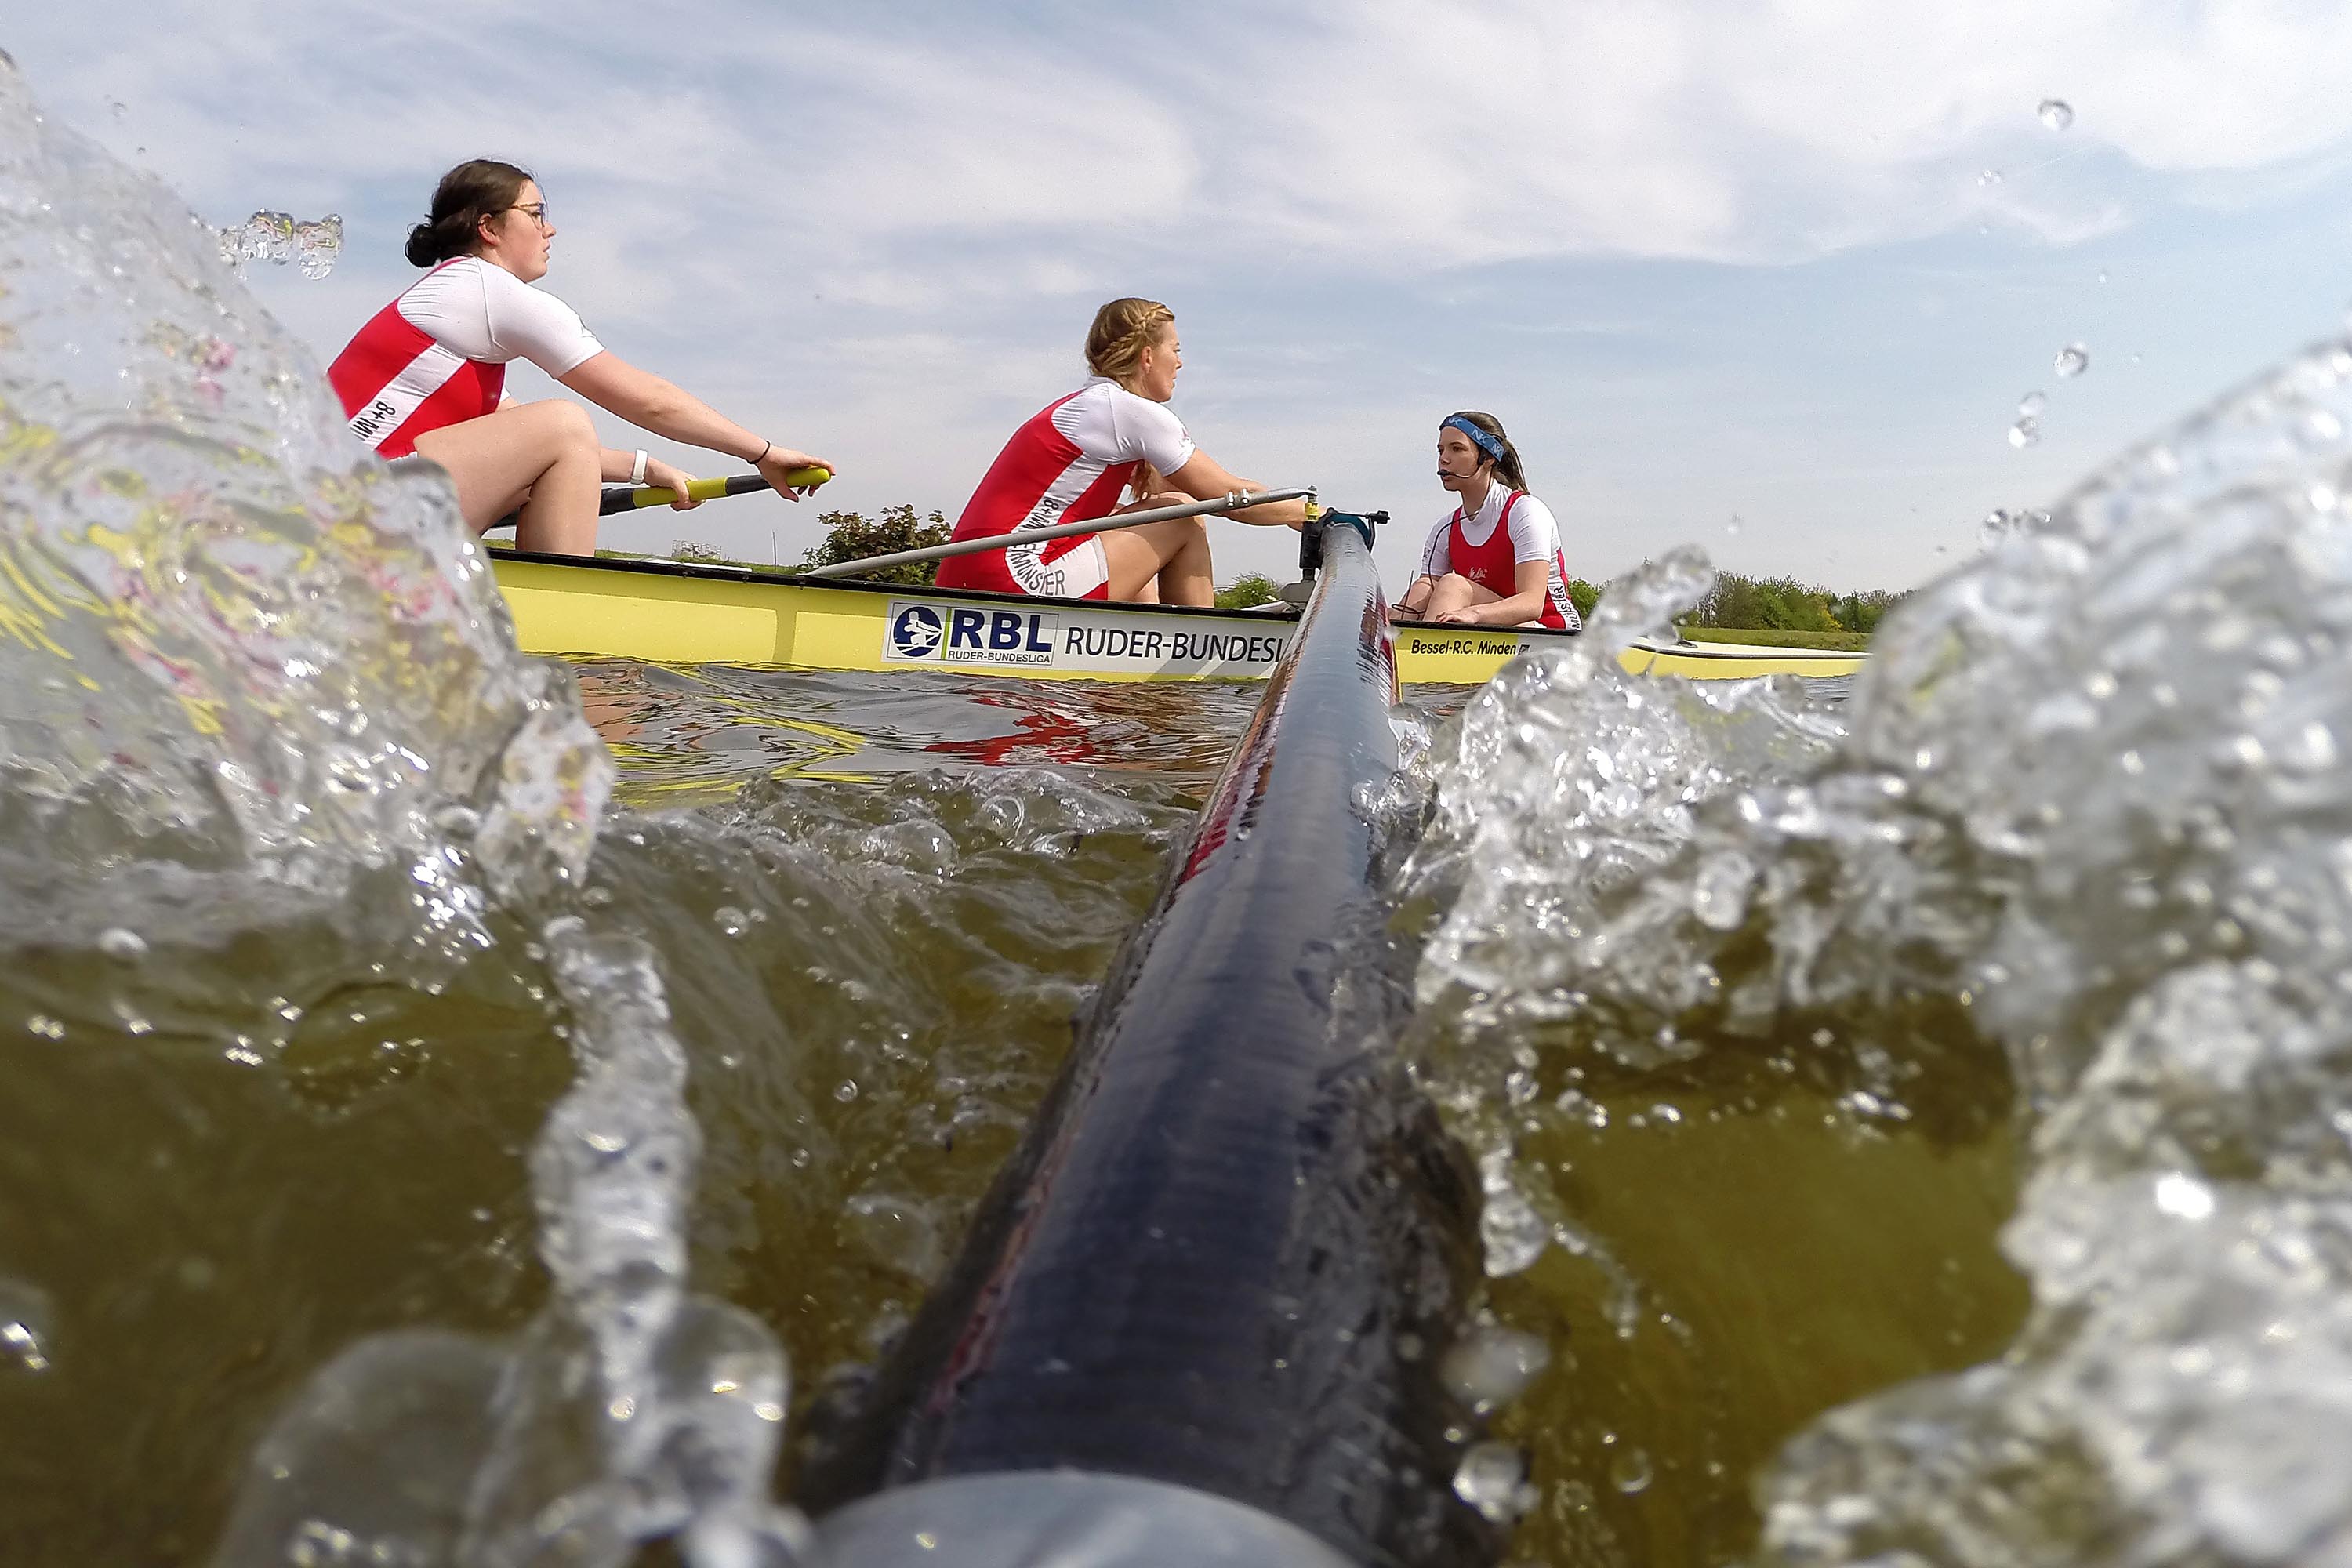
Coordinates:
1236	502
623	498
628	499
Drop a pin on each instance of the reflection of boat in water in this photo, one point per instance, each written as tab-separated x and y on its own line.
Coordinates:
677	613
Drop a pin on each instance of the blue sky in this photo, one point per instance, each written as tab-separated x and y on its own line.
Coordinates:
1705	259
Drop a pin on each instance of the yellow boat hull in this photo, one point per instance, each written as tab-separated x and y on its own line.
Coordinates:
669	612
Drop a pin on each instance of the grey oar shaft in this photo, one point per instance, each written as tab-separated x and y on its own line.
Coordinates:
1233	502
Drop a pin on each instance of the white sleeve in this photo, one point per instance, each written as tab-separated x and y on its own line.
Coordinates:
526	324
1437	555
1535	534
1151	431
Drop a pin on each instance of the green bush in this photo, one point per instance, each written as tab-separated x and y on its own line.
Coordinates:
848	536
1249	589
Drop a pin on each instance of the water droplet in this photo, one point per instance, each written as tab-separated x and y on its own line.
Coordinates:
847	1091
2311	750
1492	1479
2073	360
1733	526
2056	113
20	1347
458	819
2025	433
1631	1471
1490	1365
122	944
116	107
2031	405
1989	178
2102	275
730	921
2183	1195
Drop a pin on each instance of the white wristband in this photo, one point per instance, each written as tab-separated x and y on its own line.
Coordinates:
638	471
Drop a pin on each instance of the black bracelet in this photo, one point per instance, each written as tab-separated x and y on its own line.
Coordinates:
765	447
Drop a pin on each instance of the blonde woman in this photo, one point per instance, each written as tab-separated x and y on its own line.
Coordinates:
1497	560
1115	435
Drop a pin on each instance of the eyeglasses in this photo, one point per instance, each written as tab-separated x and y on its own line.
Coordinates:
535	211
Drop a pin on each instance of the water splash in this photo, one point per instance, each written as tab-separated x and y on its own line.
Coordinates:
234	643
25	1330
249	678
312	245
2091	797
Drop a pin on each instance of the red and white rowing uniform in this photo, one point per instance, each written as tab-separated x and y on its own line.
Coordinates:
1510	526
438	355
1067	464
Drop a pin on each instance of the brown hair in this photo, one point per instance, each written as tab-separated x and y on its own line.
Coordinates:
1508	464
1122	331
474	190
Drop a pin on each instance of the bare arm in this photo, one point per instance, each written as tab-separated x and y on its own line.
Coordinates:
645	400
1533	581
1204	479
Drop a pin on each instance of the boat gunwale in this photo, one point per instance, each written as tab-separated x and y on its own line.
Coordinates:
730	572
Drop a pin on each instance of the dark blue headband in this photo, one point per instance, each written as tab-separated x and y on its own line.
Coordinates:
1485	443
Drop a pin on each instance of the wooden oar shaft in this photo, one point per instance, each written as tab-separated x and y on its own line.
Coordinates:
1233	502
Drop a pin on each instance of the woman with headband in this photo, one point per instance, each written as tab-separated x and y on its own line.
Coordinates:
1496	561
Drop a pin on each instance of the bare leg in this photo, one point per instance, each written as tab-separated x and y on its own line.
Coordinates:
1173	554
1453	594
543	456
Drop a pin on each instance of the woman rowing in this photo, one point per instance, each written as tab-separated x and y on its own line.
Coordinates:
1496	561
427	375
1115	435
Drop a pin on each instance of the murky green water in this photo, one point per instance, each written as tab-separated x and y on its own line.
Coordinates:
878	904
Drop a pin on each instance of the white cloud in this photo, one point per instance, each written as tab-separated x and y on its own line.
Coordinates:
881	230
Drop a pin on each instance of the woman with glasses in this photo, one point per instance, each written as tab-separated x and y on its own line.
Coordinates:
1496	561
427	375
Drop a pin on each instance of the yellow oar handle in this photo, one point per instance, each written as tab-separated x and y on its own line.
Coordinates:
704	489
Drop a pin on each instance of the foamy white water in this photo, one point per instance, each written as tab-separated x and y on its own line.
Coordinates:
247	678
2091	789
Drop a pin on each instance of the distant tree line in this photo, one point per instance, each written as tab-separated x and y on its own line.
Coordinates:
1736	602
1785	605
